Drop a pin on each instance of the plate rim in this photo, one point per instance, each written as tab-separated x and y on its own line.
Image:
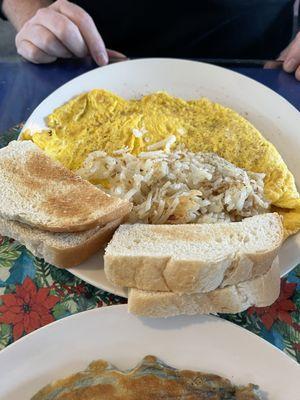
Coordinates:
112	308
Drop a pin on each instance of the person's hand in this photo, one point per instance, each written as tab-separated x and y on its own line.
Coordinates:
62	30
291	57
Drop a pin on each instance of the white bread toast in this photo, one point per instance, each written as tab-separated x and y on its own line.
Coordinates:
192	258
63	250
261	291
42	193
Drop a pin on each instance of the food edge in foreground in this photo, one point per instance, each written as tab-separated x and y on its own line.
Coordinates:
104	380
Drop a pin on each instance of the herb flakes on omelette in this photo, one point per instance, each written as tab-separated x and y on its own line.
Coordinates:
100	120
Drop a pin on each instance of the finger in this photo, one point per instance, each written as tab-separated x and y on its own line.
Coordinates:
87	28
63	28
115	54
116	60
42	38
283	54
277	63
292	57
272	65
297	74
32	53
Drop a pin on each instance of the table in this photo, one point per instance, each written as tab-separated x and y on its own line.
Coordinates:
23	85
34	293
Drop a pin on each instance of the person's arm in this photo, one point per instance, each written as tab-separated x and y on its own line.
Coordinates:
49	30
20	11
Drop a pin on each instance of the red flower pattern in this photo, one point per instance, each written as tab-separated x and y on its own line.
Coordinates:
100	303
296	346
280	310
28	308
78	289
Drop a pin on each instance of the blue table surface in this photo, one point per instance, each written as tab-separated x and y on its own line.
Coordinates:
23	85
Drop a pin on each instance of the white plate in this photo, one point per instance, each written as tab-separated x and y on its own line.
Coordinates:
204	343
276	119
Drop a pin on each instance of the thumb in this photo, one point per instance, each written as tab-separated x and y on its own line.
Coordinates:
274	64
291	55
115	56
283	54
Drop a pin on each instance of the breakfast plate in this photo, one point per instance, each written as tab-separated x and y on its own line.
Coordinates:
204	343
271	114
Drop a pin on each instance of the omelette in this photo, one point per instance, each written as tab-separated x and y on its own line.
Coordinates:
150	380
100	120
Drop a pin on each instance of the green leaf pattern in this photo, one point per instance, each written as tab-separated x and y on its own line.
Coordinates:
9	252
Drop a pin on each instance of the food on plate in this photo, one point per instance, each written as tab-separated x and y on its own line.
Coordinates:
261	292
193	257
62	249
40	192
56	214
150	379
177	187
206	190
100	120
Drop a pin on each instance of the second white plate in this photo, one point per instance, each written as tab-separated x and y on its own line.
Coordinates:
203	343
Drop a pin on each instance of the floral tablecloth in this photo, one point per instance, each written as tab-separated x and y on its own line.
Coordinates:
33	293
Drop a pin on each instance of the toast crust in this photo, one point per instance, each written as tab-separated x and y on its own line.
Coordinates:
73	256
261	292
60	252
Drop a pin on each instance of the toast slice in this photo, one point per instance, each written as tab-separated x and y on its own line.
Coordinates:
195	257
63	250
41	192
261	292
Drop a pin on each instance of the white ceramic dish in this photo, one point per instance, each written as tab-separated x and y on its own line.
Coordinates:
204	343
276	119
